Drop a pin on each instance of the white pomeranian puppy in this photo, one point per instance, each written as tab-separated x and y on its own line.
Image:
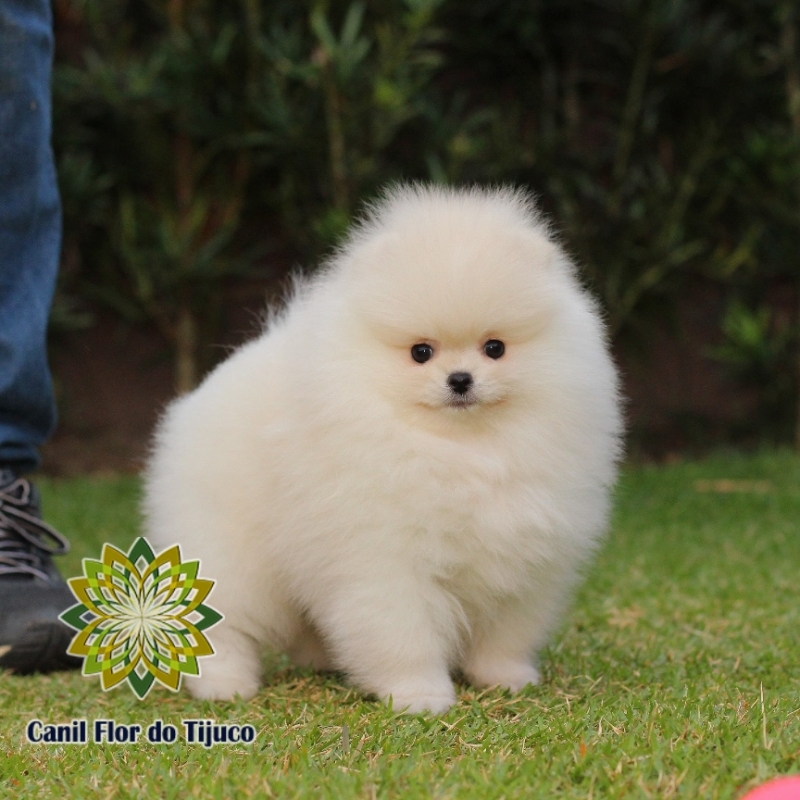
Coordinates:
402	476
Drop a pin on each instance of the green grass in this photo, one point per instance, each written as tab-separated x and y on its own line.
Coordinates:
677	674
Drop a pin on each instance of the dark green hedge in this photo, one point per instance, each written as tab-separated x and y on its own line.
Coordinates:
663	137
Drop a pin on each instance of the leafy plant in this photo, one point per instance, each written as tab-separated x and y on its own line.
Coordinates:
759	351
157	133
662	138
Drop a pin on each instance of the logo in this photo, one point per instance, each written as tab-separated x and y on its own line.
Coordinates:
140	617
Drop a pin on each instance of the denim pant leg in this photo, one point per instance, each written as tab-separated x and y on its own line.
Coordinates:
30	230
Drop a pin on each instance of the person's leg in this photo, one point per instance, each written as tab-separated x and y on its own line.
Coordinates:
32	593
30	230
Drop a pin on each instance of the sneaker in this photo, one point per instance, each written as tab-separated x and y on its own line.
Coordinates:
32	593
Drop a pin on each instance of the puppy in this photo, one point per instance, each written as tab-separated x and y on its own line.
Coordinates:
402	476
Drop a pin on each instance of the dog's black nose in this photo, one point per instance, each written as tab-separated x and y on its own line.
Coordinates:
460	382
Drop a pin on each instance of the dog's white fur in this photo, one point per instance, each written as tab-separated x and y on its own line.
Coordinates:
353	512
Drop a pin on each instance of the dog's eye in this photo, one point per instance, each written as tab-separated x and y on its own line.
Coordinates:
421	353
494	348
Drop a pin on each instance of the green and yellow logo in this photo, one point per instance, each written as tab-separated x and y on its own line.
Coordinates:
140	617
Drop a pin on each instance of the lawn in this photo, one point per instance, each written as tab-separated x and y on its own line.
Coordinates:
676	674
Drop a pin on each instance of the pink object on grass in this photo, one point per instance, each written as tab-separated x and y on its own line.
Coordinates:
787	788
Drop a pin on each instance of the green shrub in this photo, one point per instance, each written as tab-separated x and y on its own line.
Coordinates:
662	137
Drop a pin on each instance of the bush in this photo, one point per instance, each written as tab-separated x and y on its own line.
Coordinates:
664	138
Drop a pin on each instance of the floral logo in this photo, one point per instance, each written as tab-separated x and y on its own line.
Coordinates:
140	617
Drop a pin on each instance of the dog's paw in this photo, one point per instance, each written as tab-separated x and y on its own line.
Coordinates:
511	675
424	699
218	685
223	689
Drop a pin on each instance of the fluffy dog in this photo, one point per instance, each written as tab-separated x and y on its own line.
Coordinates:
403	475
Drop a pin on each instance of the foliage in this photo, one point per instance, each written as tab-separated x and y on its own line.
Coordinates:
650	129
676	675
758	348
662	137
345	94
156	143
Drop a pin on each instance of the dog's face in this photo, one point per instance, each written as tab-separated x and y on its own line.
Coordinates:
459	372
458	377
453	306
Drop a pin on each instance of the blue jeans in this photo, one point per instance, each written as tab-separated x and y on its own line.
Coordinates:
30	230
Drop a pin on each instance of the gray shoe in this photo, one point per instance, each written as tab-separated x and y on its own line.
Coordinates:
32	592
